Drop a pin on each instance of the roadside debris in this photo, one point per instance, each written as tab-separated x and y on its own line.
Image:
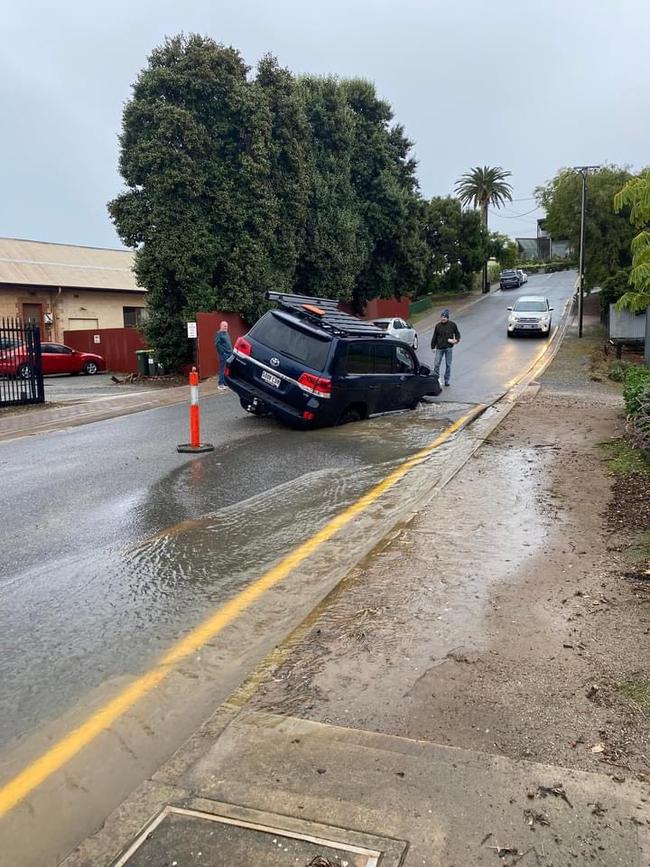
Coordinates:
544	791
458	655
533	817
511	853
131	377
504	851
597	809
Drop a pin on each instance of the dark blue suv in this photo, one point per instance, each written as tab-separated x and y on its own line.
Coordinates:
310	365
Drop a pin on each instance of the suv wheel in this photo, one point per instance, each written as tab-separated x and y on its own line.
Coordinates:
352	413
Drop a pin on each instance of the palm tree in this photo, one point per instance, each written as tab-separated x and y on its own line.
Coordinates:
482	187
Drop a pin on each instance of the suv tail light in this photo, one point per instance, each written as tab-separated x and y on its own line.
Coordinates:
319	385
243	346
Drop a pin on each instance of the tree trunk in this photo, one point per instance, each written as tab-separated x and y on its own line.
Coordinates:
484	215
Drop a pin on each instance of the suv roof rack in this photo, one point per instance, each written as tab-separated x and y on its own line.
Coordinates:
324	313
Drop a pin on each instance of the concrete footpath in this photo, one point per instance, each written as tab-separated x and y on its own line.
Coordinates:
455	701
44	419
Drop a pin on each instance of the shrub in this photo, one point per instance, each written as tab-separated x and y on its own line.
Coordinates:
618	369
636	389
616	285
638	425
552	267
494	270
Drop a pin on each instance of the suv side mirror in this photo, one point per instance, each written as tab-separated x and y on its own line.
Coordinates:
508	308
424	370
550	308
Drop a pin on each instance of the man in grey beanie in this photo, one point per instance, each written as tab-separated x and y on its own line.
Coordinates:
445	336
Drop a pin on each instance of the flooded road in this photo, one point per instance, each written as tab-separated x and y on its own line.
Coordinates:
114	546
108	609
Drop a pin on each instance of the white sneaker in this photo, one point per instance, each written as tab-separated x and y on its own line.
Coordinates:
222	387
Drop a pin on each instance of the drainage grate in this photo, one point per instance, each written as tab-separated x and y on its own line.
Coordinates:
180	837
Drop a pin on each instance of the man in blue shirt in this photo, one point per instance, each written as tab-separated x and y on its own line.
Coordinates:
223	346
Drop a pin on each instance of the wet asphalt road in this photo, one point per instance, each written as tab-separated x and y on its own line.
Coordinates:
113	544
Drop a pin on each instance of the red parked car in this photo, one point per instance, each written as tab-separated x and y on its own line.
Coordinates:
56	358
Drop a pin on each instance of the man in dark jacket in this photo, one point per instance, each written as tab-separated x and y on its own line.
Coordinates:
223	346
445	336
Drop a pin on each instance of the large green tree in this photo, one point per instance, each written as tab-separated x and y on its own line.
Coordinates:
635	198
503	249
607	233
290	169
238	183
481	187
386	189
198	204
457	244
332	254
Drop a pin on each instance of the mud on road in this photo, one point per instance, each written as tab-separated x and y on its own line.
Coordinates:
499	619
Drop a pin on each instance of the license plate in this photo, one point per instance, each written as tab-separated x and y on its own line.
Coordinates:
530	326
272	380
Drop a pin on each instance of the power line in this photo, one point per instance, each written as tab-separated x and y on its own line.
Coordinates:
513	216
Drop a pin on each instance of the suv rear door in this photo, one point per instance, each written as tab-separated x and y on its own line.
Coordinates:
405	368
365	375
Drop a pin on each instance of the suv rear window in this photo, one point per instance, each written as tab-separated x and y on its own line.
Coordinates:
279	335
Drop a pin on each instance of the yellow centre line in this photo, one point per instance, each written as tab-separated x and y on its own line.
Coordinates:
71	744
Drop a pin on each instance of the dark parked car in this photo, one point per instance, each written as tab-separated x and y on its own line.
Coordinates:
510	280
311	365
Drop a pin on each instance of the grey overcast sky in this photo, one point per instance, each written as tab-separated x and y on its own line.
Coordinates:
531	85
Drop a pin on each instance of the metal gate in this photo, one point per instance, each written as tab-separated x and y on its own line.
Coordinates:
21	371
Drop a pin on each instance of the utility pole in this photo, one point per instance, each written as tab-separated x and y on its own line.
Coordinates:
584	171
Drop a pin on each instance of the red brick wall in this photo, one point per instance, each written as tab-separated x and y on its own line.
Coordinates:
207	324
117	346
383	308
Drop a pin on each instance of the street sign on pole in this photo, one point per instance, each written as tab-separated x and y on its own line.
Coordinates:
191	330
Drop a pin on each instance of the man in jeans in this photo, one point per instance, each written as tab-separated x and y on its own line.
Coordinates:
223	346
445	336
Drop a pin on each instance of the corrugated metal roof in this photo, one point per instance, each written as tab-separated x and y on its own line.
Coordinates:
37	263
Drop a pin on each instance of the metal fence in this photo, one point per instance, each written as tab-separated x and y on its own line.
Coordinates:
21	372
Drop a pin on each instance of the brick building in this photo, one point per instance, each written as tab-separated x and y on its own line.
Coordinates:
63	287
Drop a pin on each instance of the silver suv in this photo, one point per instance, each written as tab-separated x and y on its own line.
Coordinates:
530	314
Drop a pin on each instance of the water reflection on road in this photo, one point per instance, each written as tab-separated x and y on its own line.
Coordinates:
111	612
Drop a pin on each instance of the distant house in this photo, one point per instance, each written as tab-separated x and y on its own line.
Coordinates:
543	247
63	287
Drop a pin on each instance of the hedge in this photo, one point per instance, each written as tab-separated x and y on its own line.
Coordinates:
636	388
421	305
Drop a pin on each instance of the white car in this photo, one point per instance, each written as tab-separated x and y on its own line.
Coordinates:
399	329
523	277
530	314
